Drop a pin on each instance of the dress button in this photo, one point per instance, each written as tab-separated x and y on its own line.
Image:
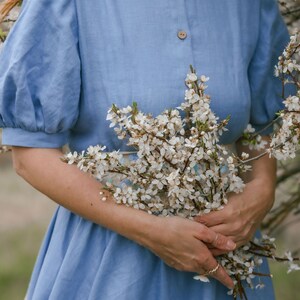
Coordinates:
181	34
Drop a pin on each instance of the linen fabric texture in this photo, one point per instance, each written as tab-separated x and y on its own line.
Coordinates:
66	62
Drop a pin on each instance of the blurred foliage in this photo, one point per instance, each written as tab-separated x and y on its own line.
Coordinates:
3	35
288	191
290	10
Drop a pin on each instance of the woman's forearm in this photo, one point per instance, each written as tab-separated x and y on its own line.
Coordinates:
263	169
78	192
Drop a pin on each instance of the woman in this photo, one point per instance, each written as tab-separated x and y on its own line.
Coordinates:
62	66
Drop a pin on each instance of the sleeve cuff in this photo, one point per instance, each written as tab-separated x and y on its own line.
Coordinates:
39	139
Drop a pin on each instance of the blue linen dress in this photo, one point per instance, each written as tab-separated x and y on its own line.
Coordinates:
62	66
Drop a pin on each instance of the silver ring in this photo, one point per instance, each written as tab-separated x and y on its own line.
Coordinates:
212	271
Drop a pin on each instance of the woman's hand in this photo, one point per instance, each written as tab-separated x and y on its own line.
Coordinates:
243	214
181	244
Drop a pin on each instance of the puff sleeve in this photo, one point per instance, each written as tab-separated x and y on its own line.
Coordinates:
40	75
266	89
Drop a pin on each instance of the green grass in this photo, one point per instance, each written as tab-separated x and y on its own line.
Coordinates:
287	286
18	251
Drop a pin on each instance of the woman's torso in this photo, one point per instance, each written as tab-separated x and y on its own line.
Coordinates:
131	52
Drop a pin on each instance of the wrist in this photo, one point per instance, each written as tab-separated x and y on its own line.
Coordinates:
266	190
143	228
266	184
149	233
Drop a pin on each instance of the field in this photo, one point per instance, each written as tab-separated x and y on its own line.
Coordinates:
24	216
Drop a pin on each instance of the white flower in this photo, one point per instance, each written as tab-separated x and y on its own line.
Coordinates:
249	129
204	78
71	157
191	77
293	267
260	286
292	103
201	278
245	155
288	255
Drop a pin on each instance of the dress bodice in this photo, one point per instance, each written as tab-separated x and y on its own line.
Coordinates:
65	62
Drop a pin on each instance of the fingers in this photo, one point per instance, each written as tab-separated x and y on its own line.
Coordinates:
220	273
223	277
212	219
216	240
229	230
220	242
239	234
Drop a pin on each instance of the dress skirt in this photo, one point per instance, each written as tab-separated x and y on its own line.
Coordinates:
80	260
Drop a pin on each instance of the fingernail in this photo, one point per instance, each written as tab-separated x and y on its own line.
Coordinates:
230	245
200	220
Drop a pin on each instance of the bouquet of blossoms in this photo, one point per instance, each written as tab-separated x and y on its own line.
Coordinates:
181	169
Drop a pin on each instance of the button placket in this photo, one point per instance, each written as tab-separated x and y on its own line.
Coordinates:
180	15
181	34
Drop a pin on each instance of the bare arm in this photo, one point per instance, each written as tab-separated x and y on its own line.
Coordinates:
263	169
176	240
245	211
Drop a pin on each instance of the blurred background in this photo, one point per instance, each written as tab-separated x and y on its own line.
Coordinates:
24	216
25	213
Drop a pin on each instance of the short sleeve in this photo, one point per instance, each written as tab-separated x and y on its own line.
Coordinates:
40	75
266	89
